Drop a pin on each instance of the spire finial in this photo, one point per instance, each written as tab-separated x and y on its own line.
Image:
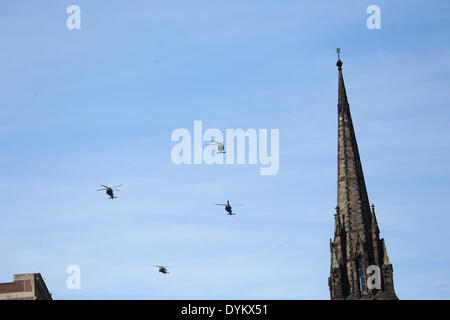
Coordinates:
339	62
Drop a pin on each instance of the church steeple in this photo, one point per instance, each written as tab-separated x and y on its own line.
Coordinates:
352	198
356	243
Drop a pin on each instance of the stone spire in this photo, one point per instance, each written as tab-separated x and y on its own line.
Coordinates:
352	198
356	244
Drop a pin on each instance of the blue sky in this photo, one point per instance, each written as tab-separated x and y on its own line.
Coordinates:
98	105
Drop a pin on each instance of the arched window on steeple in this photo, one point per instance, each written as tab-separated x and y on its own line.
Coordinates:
361	276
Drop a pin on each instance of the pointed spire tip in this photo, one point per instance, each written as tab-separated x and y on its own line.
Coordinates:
339	62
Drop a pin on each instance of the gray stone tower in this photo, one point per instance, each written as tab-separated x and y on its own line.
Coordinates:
357	244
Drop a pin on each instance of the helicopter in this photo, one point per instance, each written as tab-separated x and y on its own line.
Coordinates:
110	190
228	207
162	269
220	146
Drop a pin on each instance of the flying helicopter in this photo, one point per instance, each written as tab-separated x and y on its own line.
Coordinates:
162	269
228	207
110	190
220	146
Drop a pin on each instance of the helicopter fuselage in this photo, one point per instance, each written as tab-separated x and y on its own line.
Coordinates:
163	270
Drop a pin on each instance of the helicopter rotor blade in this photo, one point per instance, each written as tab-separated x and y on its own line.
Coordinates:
220	204
101	189
118	186
236	204
161	266
220	143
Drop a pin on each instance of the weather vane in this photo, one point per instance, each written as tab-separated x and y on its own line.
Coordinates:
338	51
